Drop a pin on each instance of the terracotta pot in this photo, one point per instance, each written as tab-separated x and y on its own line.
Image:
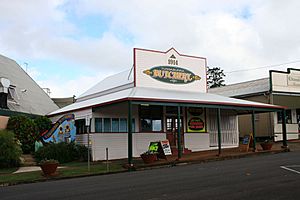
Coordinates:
149	158
266	146
49	168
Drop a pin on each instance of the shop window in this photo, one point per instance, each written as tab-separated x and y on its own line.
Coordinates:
288	117
123	125
115	125
107	125
98	125
151	118
112	125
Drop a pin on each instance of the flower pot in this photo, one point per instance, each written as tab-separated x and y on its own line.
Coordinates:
149	158
49	168
266	146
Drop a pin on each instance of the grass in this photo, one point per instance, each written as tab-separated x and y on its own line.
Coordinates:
73	169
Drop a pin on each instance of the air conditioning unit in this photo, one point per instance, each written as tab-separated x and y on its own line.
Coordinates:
4	85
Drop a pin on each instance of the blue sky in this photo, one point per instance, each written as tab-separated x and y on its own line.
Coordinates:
71	45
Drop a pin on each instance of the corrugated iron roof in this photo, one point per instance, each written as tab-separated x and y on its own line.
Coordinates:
152	94
30	98
244	88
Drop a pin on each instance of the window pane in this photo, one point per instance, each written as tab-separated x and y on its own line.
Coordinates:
98	125
288	116
107	125
115	125
156	125
123	125
146	125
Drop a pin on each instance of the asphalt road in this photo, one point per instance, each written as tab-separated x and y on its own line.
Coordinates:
259	177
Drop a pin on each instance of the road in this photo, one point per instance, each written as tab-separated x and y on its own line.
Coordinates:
261	177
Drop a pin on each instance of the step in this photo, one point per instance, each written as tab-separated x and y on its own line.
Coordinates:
28	160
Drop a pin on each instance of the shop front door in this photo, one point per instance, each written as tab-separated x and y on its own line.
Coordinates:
171	126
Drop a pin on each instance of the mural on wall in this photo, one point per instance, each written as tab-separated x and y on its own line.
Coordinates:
196	120
64	130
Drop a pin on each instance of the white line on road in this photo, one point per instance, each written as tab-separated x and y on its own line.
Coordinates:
289	169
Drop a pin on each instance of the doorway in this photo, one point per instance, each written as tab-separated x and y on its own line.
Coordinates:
171	130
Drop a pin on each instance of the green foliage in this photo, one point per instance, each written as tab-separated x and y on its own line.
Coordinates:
63	152
10	150
25	130
215	77
48	161
42	124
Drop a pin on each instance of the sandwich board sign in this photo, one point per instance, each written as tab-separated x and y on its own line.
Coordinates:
247	142
161	148
166	147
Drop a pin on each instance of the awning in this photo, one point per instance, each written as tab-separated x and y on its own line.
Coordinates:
166	97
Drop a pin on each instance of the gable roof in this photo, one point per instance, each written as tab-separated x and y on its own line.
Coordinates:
30	97
113	83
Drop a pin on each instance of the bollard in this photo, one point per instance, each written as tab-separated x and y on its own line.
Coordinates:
107	166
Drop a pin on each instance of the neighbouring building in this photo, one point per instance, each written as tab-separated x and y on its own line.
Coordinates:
20	94
280	88
164	96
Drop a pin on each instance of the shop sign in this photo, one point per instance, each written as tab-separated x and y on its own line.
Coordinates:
196	120
294	80
171	74
166	147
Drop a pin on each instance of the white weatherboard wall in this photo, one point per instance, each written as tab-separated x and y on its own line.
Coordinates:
147	59
196	141
117	144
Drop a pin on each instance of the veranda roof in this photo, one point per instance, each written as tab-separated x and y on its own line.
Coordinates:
167	96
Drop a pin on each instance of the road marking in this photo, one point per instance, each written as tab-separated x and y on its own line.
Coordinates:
289	169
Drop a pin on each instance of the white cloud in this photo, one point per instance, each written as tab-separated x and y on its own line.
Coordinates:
232	34
67	88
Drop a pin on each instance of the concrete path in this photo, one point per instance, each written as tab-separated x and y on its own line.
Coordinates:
30	169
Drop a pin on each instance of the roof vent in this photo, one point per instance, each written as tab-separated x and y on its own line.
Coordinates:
4	85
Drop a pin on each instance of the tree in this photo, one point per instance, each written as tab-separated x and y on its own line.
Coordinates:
215	77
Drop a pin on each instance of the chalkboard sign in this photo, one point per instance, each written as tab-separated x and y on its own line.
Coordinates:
247	141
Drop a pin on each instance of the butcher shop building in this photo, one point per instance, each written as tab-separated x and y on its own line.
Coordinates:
163	97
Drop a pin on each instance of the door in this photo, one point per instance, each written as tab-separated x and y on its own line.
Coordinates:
171	127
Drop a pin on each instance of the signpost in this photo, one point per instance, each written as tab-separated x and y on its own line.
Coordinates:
87	122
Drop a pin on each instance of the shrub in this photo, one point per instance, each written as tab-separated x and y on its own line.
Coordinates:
10	150
42	124
25	130
63	152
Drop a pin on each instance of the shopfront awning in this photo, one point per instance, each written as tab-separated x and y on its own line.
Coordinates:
168	97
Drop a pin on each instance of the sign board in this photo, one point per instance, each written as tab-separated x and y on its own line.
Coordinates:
247	142
288	82
161	148
166	147
196	120
169	70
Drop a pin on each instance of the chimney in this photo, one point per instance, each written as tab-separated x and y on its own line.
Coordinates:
4	85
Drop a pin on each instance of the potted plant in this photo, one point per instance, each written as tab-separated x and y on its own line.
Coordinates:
149	157
266	145
48	166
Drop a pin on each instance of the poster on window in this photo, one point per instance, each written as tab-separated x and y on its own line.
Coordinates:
196	120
